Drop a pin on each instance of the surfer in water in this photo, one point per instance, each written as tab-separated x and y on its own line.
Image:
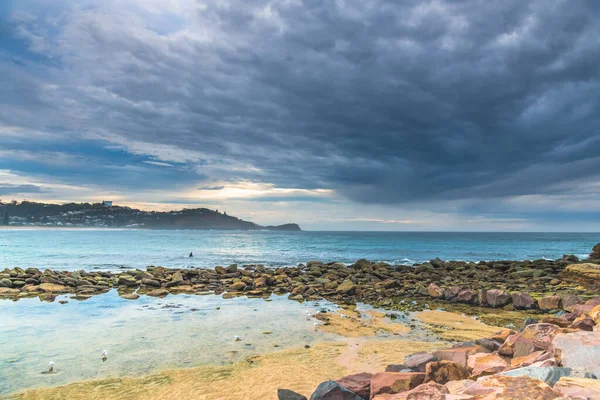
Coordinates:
191	254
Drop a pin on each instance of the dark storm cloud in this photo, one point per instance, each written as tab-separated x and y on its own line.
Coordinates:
7	189
380	101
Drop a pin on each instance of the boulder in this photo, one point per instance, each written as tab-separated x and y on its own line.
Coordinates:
583	324
451	294
499	387
522	300
587	274
486	364
549	303
444	371
578	350
497	298
426	391
220	270
357	383
595	314
331	390
559	321
347	287
395	382
237	286
150	282
127	280
534	337
418	361
530	359
466	296
435	291
488	344
458	387
286	394
595	254
579	388
131	296
458	354
52	288
570	301
158	292
548	375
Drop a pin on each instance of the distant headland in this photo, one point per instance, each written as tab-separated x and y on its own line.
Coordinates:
107	215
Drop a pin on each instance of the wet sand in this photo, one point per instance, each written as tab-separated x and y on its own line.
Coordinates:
258	377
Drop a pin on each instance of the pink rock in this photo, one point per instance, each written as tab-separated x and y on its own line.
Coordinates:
357	383
561	322
486	364
549	303
395	382
594	301
570	301
534	337
426	391
458	354
497	298
435	291
530	359
496	387
418	361
459	387
522	300
452	293
583	324
579	387
579	350
466	296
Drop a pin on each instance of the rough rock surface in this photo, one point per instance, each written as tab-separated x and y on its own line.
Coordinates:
331	390
445	371
395	382
579	388
579	350
357	383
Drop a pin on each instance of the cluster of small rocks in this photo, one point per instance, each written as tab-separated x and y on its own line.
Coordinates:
554	284
541	361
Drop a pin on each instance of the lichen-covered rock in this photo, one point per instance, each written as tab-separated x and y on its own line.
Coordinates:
426	391
395	382
587	274
347	287
549	303
444	371
584	388
548	375
486	364
498	387
127	280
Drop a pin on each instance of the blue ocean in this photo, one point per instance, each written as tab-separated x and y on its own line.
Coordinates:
75	249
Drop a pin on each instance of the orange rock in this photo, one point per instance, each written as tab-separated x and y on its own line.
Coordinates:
435	291
445	371
549	303
498	387
459	354
459	387
595	314
487	364
395	382
579	387
529	359
426	391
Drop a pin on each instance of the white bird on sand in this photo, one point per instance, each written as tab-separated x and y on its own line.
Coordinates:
238	338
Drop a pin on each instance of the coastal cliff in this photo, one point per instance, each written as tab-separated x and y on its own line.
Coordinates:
105	215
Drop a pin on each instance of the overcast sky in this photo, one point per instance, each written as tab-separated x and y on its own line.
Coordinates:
346	114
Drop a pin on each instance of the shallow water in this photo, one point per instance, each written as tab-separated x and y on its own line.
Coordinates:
142	336
111	249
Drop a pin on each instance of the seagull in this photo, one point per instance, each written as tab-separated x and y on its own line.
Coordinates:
238	338
51	367
104	355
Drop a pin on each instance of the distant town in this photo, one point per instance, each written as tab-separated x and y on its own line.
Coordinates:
108	215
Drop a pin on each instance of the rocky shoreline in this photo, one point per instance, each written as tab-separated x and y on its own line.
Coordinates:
555	360
537	286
